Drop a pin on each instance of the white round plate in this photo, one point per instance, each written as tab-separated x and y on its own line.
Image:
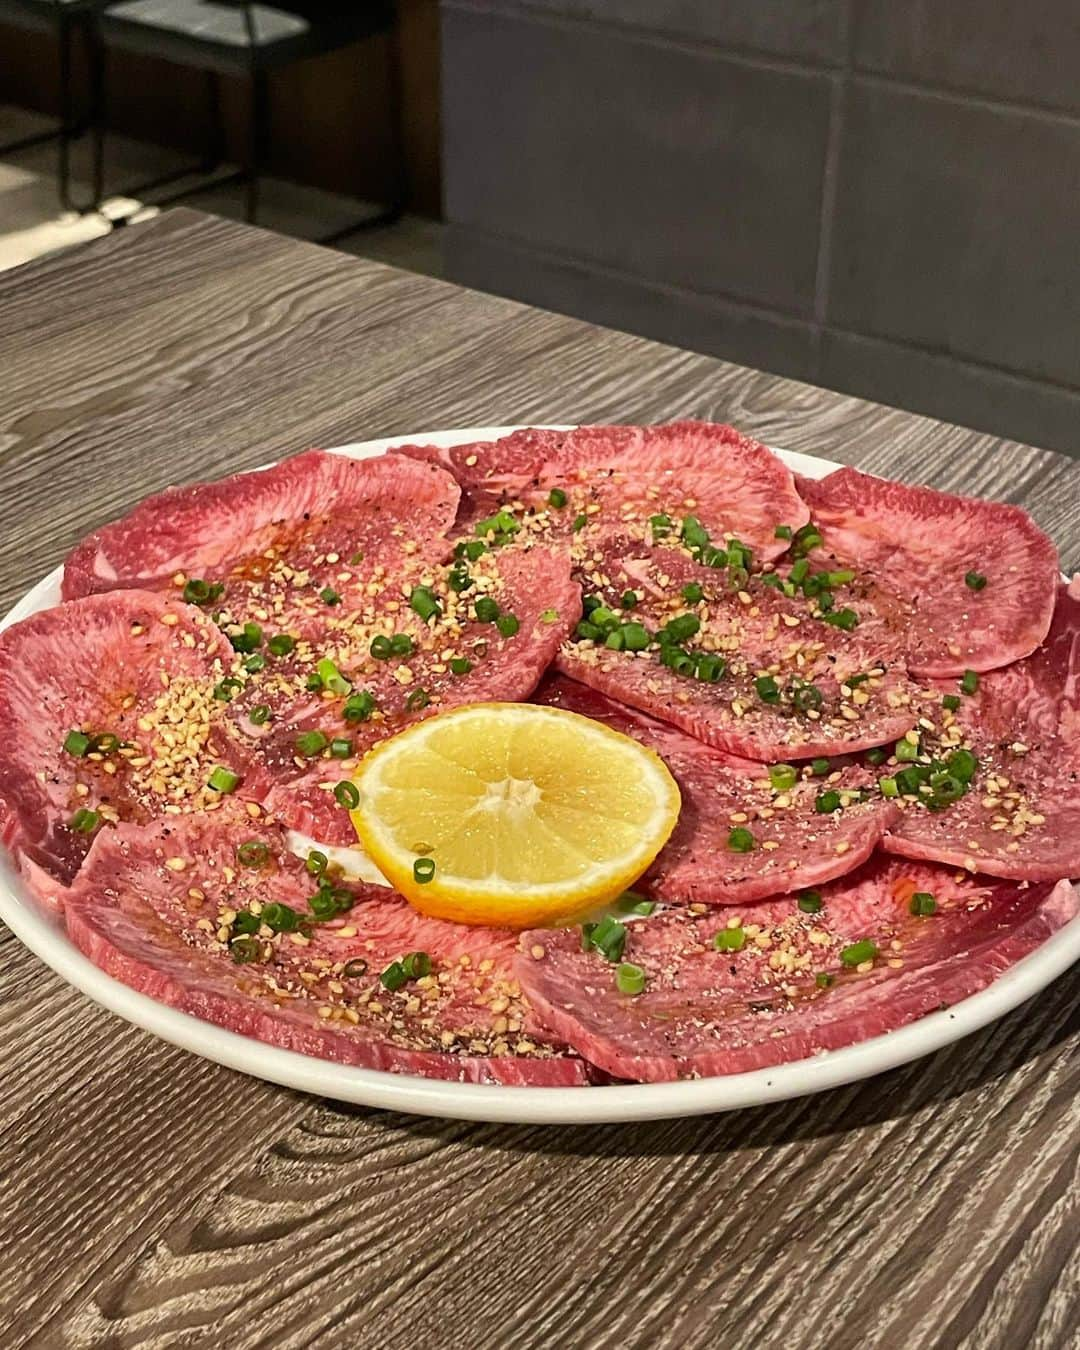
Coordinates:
43	933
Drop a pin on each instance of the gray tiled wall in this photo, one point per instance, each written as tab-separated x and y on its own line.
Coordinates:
879	197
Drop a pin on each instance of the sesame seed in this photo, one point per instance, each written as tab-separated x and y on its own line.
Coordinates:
176	864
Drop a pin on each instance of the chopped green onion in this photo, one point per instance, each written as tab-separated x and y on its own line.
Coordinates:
889	787
588	630
246	922
783	776
254	663
311	743
419	698
329	596
227	687
393	977
357	557
910	779
485	609
458	579
680	628
740	840
876	756
423	870
692	593
347	794
708	667
636	637
730	939
629	979
549	616
661	526
628	599
923	904
557	498
799	571
425	602
281	644
839	578
846	619
249	637
313	682
501	525
806	538
824	980
196	591
352	970
975	581
77	743
316	862
782	532
470	549
614	641
906	751
460	665
223	780
280	918
380	647
416	965
507	624
630	902
244	950
341	747
359	706
252	852
810	902
859	952
767	689
819	767
738	577
401	644
827	802
608	937
947	788
963	764
970	682
85	821
951	702
693	532
330	901
579	523
332	678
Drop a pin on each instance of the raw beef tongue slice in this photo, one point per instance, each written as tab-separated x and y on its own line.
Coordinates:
454	658
1021	818
280	547
758	634
787	992
793	844
133	668
728	481
919	545
186	911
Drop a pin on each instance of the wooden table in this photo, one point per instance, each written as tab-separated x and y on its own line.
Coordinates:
153	1199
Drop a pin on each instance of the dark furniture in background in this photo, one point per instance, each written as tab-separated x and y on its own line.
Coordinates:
881	197
65	22
249	41
153	1198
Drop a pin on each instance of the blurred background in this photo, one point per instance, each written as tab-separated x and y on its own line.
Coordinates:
879	197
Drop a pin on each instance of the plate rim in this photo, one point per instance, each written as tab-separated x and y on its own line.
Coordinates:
41	932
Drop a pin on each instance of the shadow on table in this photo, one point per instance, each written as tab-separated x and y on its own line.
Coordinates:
1035	1029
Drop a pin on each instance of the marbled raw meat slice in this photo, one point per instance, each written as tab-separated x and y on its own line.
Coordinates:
916	545
706	1012
795	846
765	632
278	540
1021	818
155	906
727	480
129	664
531	583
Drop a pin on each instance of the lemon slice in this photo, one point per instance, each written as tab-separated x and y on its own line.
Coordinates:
521	815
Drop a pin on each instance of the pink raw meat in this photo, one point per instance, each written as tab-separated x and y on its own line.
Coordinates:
1022	817
155	907
312	524
765	633
707	1012
128	664
794	845
917	545
531	583
727	480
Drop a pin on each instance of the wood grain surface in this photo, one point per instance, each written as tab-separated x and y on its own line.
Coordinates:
151	1199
